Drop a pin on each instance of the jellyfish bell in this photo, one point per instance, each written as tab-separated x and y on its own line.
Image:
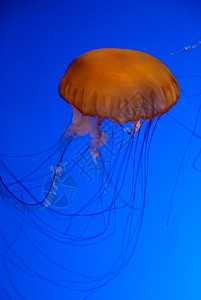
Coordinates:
121	85
101	82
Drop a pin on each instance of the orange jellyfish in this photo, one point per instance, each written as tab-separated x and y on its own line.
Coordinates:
112	91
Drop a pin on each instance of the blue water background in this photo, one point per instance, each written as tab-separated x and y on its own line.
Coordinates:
38	40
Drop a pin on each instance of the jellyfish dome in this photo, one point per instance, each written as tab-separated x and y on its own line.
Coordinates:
119	84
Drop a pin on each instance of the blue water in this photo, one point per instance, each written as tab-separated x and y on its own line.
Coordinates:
38	258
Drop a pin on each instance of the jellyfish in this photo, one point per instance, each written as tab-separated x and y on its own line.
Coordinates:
191	46
118	96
